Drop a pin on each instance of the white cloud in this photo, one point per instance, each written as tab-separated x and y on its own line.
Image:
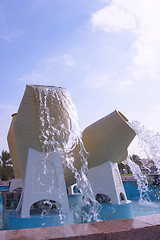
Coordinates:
68	59
113	18
6	106
33	77
50	62
103	80
143	19
11	36
124	86
46	70
94	80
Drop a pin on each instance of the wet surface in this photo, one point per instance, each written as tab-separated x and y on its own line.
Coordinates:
145	227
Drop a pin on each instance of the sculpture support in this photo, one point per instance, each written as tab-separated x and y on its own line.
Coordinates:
107	141
41	186
43	123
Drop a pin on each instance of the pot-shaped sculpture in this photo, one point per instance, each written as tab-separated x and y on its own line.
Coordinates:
44	123
108	139
13	149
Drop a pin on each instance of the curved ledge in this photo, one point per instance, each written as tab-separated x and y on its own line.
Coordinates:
139	228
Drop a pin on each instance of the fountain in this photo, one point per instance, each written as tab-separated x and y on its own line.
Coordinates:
51	156
107	140
149	145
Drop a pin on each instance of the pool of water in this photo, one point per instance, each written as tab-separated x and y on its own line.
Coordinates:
1	207
133	208
148	206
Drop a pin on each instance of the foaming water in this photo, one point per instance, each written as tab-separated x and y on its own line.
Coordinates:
145	203
59	131
149	144
141	179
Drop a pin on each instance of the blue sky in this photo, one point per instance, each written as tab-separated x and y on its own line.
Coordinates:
106	53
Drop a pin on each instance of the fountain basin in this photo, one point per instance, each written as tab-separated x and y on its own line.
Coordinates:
107	212
138	228
130	210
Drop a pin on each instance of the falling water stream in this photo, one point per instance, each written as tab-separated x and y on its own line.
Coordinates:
141	179
149	144
59	131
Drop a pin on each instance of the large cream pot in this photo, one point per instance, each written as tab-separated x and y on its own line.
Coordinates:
25	130
108	139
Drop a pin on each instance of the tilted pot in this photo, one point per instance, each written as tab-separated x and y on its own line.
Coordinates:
108	139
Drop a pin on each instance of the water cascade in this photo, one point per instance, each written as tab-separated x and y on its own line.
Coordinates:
48	153
140	178
149	145
47	122
61	133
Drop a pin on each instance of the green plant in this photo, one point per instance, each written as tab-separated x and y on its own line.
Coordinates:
6	167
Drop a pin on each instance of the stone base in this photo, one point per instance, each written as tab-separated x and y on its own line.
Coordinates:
139	228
